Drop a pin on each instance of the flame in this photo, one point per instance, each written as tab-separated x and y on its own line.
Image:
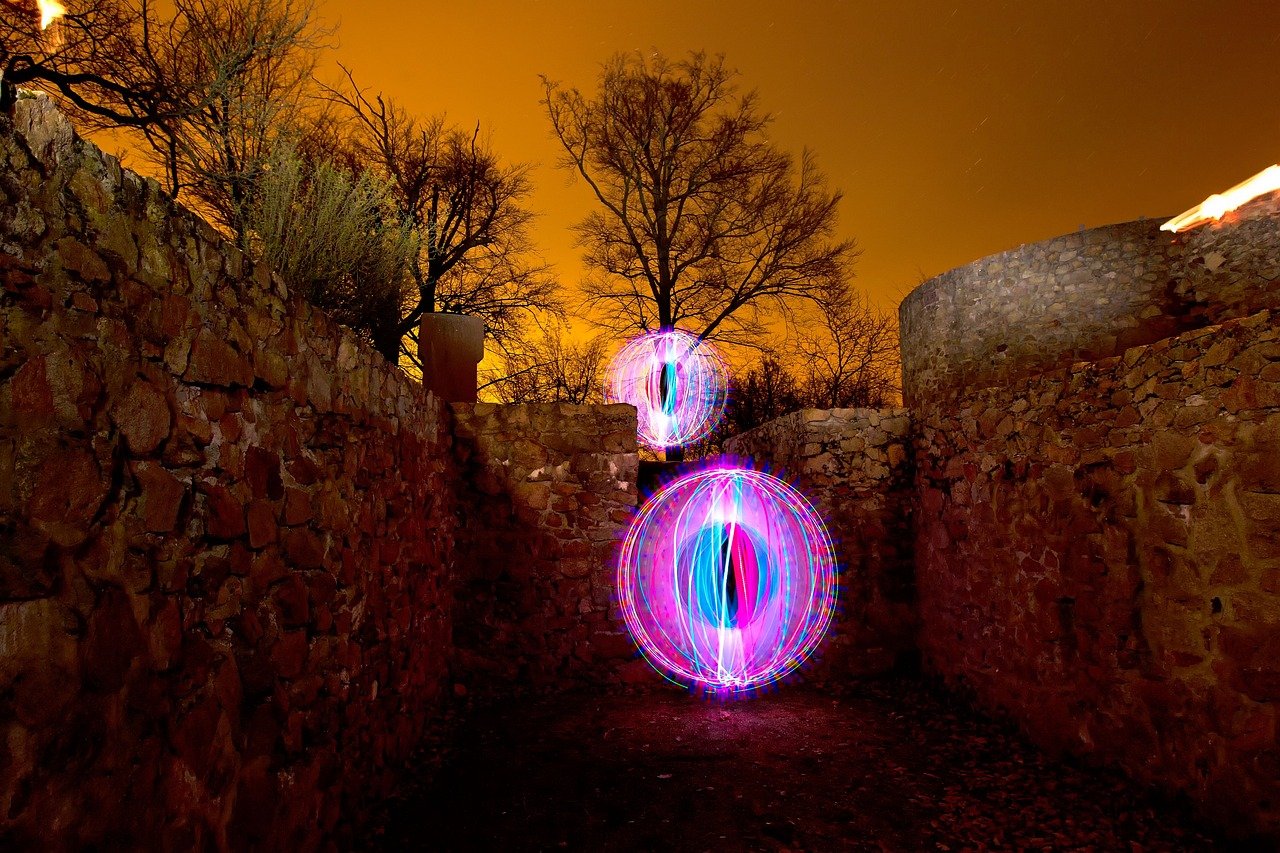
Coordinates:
1218	205
50	11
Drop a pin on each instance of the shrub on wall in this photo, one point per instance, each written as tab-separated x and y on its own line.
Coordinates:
334	238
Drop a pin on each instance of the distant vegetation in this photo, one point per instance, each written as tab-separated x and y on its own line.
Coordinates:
703	224
379	215
216	94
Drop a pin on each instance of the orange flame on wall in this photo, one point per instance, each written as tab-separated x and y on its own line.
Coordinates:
50	11
1218	205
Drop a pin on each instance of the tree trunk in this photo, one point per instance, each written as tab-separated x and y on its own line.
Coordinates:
387	342
674	454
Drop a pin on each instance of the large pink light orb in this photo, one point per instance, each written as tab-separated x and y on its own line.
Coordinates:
727	579
677	383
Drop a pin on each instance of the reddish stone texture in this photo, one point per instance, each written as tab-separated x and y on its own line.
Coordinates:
143	418
30	399
261	521
553	487
1096	557
224	513
81	261
854	465
65	494
213	361
164	408
161	497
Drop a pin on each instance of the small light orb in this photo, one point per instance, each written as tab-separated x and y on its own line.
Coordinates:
727	579
677	383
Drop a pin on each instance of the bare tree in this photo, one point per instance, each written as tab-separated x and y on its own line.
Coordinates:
765	392
104	57
211	88
475	253
846	357
759	393
215	156
552	369
850	354
703	223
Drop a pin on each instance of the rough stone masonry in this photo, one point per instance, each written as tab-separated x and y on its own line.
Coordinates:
226	528
242	558
1089	507
854	465
228	566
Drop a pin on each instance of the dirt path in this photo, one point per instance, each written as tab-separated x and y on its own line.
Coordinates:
886	767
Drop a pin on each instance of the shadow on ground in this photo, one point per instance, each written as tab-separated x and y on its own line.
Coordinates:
886	766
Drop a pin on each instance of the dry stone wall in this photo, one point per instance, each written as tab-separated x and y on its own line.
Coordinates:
1098	557
1094	444
552	490
1085	296
225	529
1231	269
854	465
1080	296
240	556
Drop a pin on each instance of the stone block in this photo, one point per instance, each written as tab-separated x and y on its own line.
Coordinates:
213	361
297	507
162	495
143	418
68	490
261	523
81	261
262	472
304	549
224	513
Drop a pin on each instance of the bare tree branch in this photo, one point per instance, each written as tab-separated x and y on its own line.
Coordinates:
551	369
210	87
703	223
476	255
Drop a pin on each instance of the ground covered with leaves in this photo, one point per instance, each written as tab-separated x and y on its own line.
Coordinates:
887	765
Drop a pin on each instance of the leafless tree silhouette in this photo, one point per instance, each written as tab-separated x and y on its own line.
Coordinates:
849	354
845	355
552	369
475	252
703	223
100	56
209	87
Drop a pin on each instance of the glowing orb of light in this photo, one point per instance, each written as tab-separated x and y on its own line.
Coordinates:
677	383
727	579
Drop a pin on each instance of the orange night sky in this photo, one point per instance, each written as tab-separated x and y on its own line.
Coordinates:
954	129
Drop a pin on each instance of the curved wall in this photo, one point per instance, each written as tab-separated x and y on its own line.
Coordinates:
1095	443
1077	297
1097	557
1084	296
1232	269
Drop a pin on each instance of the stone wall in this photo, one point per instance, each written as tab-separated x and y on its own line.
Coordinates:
240	555
225	528
854	465
1231	269
1080	296
1084	296
552	490
1098	556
